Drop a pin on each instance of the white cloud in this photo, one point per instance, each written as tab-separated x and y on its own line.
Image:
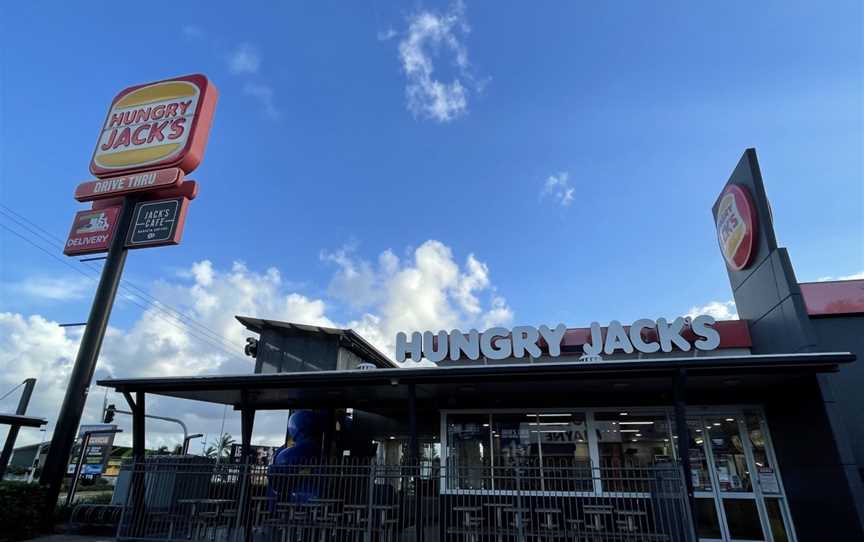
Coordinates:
429	290
853	276
386	35
720	310
52	288
244	60
193	32
264	94
558	188
427	35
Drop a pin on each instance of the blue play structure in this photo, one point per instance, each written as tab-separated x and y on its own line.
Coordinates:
304	427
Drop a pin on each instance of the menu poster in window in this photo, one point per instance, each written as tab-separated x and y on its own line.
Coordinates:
768	480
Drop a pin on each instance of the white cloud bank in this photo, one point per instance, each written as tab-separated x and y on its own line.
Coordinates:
429	34
428	290
720	310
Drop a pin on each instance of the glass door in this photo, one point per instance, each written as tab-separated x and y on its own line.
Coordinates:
737	487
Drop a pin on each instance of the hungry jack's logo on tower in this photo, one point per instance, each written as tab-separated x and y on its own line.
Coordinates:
156	125
736	226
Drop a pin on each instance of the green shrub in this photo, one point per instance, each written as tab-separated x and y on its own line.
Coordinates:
20	509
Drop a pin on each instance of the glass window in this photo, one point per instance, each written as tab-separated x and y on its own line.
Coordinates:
742	518
627	440
468	451
775	519
632	440
564	454
698	459
706	519
766	474
516	451
728	450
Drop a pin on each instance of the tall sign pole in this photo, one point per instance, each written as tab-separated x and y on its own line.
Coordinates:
152	136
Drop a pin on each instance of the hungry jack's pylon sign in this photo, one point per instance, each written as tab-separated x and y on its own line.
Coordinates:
153	135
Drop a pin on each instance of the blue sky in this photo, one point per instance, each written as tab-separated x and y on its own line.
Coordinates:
321	158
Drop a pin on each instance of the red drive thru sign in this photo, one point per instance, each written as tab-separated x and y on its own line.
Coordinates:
110	187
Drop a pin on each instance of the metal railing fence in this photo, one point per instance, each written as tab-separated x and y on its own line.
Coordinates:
362	501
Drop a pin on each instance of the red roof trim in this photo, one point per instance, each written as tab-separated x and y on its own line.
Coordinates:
834	297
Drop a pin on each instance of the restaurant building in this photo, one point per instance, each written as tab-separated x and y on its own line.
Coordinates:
660	429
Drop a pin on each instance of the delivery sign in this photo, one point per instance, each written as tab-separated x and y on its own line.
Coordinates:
156	125
92	231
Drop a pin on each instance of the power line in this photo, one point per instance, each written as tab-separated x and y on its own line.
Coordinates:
192	332
125	285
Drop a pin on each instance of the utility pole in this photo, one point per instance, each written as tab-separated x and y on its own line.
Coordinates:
85	363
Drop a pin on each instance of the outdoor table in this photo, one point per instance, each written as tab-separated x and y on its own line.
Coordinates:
596	512
630	517
499	515
518	519
194	513
548	514
469	520
354	511
384	509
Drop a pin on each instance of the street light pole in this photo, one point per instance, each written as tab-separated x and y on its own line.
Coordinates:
186	440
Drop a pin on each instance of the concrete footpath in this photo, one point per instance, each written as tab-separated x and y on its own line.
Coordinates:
72	538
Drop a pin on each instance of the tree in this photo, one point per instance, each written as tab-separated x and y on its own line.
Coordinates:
210	452
222	446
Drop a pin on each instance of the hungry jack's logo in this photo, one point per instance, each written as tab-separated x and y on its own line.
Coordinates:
736	227
161	124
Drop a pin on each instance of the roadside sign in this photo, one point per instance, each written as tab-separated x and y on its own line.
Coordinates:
92	231
111	187
98	450
156	125
157	223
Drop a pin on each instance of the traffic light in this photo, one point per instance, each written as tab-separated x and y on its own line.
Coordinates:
251	349
109	414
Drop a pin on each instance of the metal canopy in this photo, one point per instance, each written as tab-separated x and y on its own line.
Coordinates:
506	384
21	421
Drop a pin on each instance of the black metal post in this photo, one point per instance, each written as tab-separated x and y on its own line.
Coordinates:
137	489
683	445
247	421
12	435
73	484
414	450
138	428
85	363
413	444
